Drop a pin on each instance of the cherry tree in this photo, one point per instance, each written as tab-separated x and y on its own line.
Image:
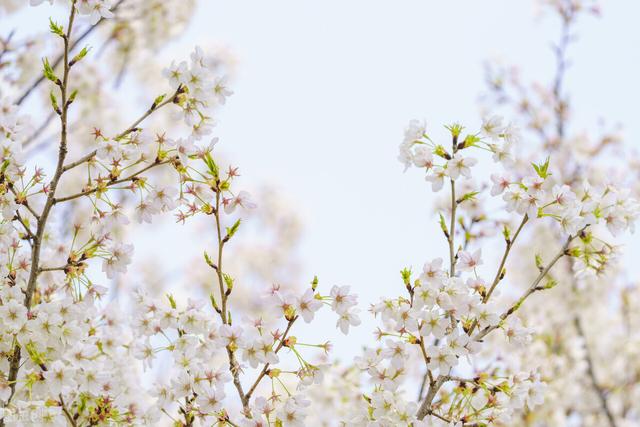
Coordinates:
453	345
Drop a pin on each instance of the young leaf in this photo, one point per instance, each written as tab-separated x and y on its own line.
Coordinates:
48	71
406	275
211	165
172	301
506	232
228	280
157	101
232	230
73	95
469	196
56	28
54	102
79	56
443	226
542	170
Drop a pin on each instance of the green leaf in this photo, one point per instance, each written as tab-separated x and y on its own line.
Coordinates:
539	262
542	170
208	260
232	230
551	283
441	152
228	280
211	165
469	141
172	301
443	226
80	55
506	232
73	95
406	275
56	28
54	102
469	196
455	129
157	101
214	304
48	71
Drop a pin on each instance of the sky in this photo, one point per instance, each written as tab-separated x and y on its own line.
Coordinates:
324	90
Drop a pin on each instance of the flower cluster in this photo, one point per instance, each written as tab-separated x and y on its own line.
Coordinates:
70	356
448	312
586	333
14	129
96	9
72	352
198	342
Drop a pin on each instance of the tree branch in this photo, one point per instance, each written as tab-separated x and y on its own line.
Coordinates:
111	183
265	369
42	218
602	397
127	131
532	288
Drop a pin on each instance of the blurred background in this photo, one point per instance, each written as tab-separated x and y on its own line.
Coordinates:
323	91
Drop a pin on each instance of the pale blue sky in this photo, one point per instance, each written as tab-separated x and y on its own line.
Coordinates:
324	90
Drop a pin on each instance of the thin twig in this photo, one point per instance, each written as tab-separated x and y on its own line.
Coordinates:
34	136
435	384
19	218
234	367
499	273
42	218
127	131
602	397
66	412
532	288
425	407
111	183
5	44
265	369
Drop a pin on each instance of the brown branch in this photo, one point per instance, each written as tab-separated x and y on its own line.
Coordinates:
532	288
452	231
602	397
60	268
507	250
111	183
133	127
19	218
42	218
5	44
234	367
434	386
499	274
25	204
265	369
66	412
